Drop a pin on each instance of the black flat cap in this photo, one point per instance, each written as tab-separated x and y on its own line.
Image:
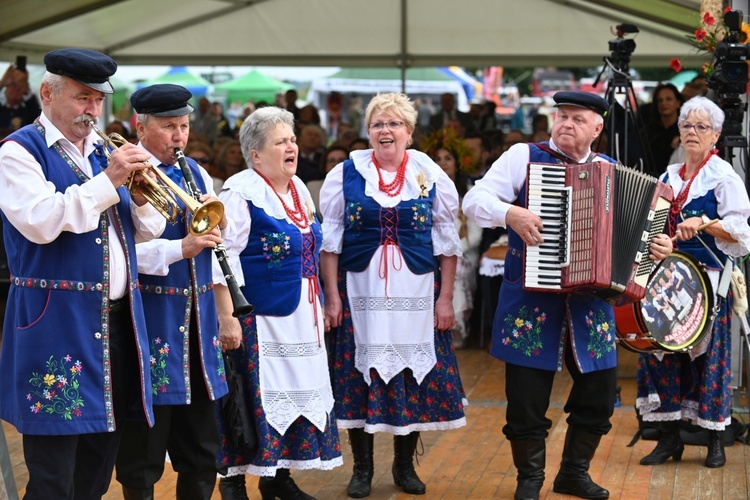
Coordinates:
85	66
582	100
162	99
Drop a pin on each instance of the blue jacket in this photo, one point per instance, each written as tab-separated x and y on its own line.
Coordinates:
529	327
54	368
169	302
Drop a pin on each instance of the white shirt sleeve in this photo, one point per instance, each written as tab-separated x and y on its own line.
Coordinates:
235	235
445	240
488	202
734	211
332	209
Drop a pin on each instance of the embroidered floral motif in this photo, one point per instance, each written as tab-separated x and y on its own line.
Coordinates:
421	216
159	377
275	247
601	340
524	332
56	390
353	216
220	370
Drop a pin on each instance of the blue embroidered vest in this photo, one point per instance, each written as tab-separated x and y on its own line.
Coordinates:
169	302
529	327
709	206
55	374
368	225
275	260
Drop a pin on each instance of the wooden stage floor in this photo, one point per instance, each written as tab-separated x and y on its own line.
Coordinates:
475	461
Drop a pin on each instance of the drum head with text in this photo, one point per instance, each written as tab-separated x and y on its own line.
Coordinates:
679	301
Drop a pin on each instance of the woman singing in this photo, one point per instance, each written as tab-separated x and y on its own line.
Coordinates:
276	236
388	265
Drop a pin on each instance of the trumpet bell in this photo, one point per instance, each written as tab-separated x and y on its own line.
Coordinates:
206	217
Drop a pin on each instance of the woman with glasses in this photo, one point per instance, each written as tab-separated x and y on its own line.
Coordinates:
388	264
695	386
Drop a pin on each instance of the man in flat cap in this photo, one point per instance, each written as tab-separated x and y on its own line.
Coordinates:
187	368
537	333
74	357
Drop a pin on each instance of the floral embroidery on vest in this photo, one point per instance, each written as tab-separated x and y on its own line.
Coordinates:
421	218
524	332
600	334
275	247
220	366
55	393
353	217
159	354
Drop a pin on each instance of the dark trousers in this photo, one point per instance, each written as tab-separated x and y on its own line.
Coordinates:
80	466
590	403
189	433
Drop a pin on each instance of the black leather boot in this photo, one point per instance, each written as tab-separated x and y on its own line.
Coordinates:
281	486
195	486
361	482
715	457
669	445
233	488
573	478
404	474
529	459
137	493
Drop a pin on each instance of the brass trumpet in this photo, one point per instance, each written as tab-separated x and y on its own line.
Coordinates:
161	194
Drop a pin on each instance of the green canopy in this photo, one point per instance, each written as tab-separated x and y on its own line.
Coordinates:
122	93
254	86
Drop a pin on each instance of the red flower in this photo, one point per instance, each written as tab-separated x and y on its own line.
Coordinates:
700	35
727	9
305	446
675	64
708	19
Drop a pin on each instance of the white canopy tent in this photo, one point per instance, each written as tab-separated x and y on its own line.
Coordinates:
386	33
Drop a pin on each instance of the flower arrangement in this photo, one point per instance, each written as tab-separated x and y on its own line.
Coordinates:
710	32
446	138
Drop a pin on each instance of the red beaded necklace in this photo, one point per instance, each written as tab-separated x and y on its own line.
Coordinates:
679	201
298	214
392	189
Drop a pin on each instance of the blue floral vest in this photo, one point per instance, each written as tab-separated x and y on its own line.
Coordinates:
709	206
54	369
168	302
529	327
275	260
368	225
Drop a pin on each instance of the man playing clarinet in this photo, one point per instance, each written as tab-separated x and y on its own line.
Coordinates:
187	367
536	333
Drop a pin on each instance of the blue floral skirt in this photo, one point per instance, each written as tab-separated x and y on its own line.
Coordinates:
677	388
402	406
303	446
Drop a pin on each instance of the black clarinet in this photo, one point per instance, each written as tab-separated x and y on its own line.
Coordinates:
239	303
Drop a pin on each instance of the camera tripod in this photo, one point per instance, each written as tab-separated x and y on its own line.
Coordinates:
623	124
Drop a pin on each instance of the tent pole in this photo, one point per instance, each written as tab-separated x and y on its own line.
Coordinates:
402	61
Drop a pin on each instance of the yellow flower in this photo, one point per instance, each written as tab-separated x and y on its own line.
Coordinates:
605	327
519	322
276	248
49	379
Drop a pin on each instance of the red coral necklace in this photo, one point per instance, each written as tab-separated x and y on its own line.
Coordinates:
297	214
679	201
394	188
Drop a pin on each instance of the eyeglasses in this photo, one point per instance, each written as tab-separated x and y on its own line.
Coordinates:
700	128
394	125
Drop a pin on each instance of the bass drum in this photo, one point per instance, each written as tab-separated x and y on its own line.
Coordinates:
675	314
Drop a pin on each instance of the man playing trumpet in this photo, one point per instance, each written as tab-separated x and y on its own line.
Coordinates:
187	368
74	357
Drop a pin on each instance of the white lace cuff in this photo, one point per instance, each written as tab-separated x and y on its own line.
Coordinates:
445	240
333	236
739	230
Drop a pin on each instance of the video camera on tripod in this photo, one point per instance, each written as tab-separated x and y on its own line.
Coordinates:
622	48
729	78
